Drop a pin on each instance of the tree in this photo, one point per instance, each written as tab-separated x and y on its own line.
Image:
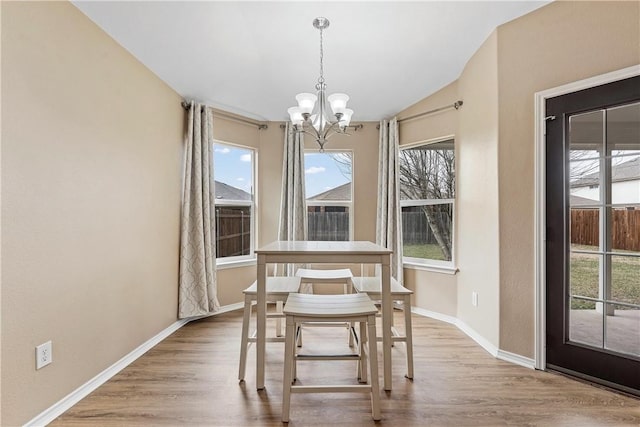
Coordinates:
427	172
344	162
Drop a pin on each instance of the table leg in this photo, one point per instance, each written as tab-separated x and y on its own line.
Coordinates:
387	312
261	314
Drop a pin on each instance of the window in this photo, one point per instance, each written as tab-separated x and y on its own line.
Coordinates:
233	169
427	196
328	188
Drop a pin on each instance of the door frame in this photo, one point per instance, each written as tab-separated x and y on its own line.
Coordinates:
540	195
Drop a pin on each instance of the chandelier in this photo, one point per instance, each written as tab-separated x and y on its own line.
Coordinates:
312	117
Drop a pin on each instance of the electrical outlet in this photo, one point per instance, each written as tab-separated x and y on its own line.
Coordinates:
44	355
474	298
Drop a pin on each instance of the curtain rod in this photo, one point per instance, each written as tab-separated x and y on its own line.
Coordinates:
261	126
455	105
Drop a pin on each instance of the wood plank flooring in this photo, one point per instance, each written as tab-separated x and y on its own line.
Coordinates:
190	379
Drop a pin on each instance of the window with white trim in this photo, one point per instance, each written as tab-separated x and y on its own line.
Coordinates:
329	194
427	200
234	172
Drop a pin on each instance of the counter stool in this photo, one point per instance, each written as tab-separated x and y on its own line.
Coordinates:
319	276
301	308
372	286
277	290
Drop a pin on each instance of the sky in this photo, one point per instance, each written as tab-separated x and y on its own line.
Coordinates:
321	173
232	165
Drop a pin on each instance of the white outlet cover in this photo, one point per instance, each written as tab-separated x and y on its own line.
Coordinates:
44	355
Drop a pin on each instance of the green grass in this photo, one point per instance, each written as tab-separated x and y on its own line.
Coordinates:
425	251
584	271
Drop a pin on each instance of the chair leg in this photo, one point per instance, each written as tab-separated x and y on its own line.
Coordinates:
373	367
408	333
289	349
348	289
362	362
246	317
279	307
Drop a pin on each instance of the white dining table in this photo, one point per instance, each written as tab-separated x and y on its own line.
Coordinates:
308	252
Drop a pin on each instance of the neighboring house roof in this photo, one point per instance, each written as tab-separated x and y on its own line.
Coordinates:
227	192
581	201
626	171
339	193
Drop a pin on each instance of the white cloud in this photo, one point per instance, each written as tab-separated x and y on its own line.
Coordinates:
239	179
245	157
222	150
327	188
314	169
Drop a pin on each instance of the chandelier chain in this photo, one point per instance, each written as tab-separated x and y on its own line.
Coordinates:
321	78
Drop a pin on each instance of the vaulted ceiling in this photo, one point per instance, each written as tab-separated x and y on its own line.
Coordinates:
252	58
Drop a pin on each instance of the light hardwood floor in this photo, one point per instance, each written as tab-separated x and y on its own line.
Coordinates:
190	380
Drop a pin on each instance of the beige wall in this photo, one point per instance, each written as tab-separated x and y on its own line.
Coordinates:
557	44
433	291
91	179
477	173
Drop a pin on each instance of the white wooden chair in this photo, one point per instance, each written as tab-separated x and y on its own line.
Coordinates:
277	290
319	276
301	308
372	286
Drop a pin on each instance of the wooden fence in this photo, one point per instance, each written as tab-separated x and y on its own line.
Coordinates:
416	229
625	228
335	226
233	236
328	226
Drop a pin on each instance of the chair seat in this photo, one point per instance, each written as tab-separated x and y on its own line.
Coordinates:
276	286
373	286
309	275
329	306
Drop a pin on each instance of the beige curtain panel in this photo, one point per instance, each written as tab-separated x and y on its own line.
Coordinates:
388	218
293	205
197	283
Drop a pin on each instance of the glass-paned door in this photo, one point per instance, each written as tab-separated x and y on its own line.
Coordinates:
593	234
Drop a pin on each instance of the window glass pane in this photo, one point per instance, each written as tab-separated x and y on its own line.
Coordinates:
427	231
584	180
328	190
623	329
584	276
233	189
233	171
428	172
625	180
585	323
233	231
625	230
328	223
623	130
625	279
585	228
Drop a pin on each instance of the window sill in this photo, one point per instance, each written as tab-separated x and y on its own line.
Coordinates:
223	265
430	267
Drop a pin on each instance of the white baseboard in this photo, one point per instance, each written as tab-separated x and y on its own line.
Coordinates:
483	342
517	359
57	409
434	315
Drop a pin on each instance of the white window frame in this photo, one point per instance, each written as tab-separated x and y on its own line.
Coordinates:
439	266
250	259
349	204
